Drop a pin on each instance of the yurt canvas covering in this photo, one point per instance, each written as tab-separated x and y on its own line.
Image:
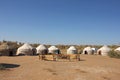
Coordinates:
104	50
7	50
72	50
54	49
88	50
26	49
94	50
117	49
42	49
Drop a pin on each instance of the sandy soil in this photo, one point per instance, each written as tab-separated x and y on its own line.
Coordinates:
90	67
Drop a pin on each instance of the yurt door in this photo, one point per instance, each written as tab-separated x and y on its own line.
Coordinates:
11	53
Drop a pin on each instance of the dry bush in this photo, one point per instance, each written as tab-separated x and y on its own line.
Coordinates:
114	54
2	67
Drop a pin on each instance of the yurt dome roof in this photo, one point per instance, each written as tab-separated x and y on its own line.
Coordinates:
88	48
41	47
72	48
53	48
105	48
26	46
117	49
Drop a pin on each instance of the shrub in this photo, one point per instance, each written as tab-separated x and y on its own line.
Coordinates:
2	67
114	54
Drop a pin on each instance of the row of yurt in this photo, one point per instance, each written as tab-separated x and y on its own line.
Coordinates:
42	49
102	51
53	49
26	49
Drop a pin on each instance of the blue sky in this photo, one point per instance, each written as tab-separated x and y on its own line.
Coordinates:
60	21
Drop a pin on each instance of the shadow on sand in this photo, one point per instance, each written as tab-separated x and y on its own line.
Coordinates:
64	60
5	65
82	60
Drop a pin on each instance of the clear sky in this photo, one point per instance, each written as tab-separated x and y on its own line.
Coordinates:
60	21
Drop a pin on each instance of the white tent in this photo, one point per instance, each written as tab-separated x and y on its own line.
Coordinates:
72	50
87	50
117	49
26	49
42	49
103	50
54	49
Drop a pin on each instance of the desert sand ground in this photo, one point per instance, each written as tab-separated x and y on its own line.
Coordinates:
91	67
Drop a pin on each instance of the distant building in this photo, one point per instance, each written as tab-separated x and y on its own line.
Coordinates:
117	49
72	50
26	49
42	49
103	50
88	50
54	50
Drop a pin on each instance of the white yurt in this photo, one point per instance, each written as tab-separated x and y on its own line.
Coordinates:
87	50
26	49
117	49
42	49
103	50
53	49
72	50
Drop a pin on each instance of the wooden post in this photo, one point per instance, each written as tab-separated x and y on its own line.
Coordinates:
39	56
78	57
68	57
